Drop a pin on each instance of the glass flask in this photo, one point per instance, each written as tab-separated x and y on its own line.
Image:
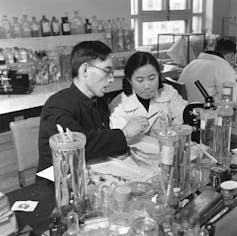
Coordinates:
69	170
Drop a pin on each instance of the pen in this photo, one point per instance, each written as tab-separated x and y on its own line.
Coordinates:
152	115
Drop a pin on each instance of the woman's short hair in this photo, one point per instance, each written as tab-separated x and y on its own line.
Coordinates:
87	51
137	60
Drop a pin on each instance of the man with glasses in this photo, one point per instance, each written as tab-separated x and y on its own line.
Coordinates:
82	107
211	68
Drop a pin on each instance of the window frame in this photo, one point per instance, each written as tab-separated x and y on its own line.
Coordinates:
138	16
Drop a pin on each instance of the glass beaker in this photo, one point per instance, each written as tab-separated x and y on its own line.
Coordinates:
169	155
182	168
69	170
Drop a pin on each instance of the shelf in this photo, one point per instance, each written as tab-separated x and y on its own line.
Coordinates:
51	42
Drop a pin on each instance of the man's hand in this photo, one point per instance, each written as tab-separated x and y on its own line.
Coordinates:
135	126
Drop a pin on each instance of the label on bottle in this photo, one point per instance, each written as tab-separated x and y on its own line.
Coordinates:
203	124
45	27
167	154
219	121
66	27
35	27
55	27
226	91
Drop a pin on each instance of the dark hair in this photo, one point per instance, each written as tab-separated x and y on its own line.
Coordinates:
137	60
86	52
225	46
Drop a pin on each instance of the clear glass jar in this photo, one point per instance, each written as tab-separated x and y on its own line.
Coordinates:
169	156
207	127
182	174
222	134
69	170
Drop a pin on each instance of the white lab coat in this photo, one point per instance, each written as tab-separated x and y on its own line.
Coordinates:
211	71
167	102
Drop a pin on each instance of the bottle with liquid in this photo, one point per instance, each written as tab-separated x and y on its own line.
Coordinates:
16	28
88	26
45	26
7	28
77	24
55	27
26	27
65	25
35	27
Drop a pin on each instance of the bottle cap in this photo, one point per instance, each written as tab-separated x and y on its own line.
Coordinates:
122	193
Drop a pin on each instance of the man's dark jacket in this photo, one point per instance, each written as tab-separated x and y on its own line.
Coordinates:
72	109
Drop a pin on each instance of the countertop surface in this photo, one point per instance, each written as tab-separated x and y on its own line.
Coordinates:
40	93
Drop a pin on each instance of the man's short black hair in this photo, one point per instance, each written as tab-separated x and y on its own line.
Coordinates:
87	51
225	46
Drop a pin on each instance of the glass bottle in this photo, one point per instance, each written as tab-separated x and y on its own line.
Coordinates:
45	26
54	227
55	28
65	25
72	225
94	24
35	27
108	33
77	24
26	28
222	132
88	27
7	27
16	28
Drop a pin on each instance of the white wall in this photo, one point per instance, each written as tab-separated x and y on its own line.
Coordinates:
104	9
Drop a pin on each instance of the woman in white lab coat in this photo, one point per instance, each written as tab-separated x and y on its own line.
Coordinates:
144	95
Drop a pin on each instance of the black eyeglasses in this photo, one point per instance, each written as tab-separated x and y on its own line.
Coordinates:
108	72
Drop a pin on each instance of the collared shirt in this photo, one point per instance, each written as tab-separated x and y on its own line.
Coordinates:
167	102
74	110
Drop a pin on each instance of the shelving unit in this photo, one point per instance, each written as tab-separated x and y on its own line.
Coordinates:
51	42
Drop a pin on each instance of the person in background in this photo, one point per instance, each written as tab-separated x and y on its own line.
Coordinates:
82	107
211	68
144	94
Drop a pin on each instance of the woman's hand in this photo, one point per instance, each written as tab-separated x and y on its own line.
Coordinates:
135	126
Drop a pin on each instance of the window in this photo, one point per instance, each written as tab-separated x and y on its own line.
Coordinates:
152	17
